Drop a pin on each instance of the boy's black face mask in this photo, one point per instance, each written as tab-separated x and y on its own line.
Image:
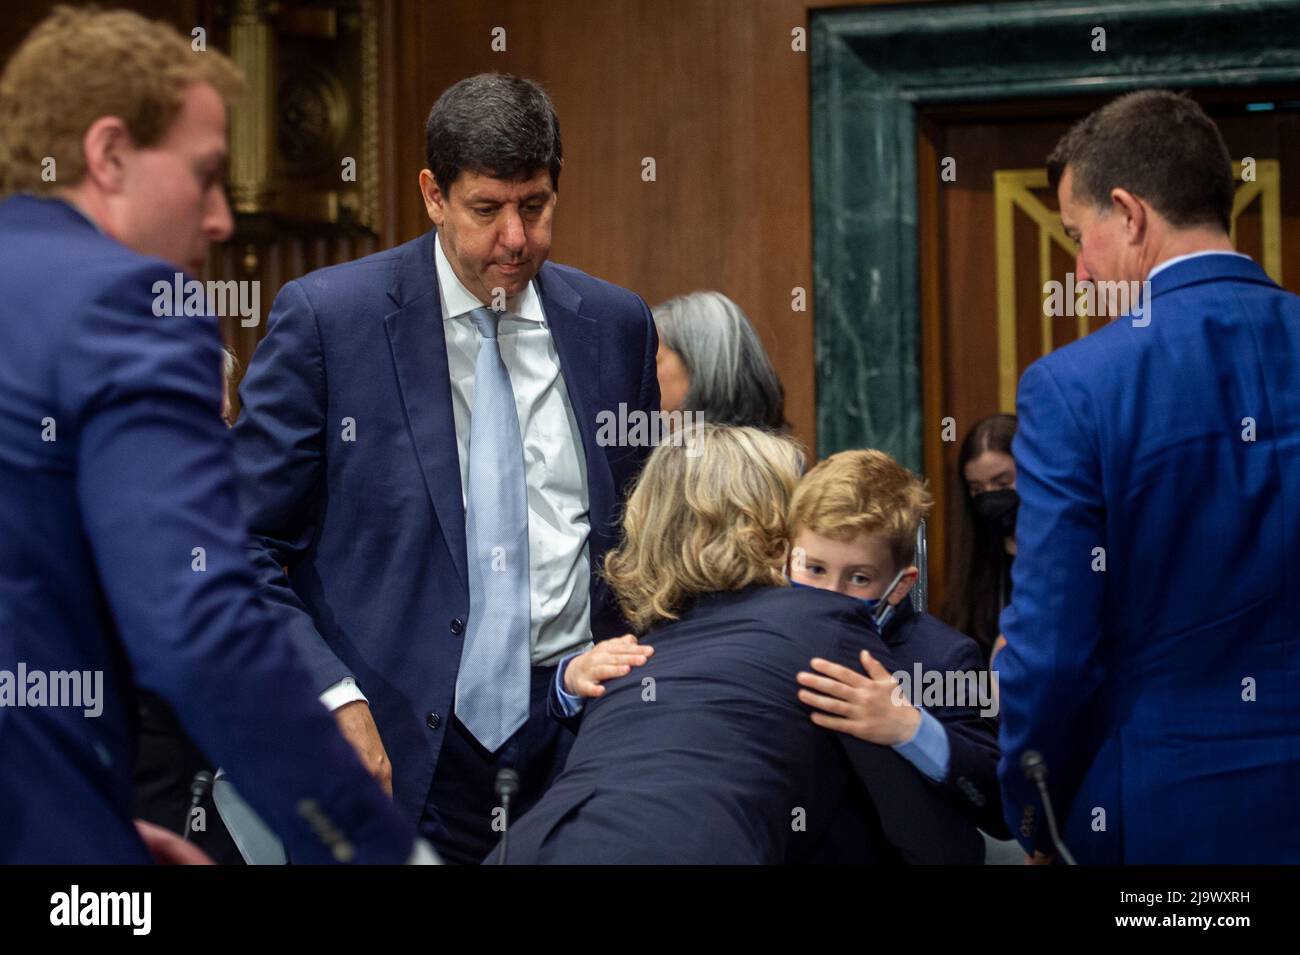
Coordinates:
996	510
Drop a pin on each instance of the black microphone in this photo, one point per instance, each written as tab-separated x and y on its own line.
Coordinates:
507	786
199	789
1034	767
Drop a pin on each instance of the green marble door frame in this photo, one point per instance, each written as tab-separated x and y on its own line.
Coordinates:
872	68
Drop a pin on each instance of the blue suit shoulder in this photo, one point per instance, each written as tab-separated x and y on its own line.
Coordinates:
378	267
595	291
1179	300
51	238
96	330
1085	357
617	310
350	289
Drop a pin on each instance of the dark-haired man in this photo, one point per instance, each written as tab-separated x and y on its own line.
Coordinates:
418	439
1152	650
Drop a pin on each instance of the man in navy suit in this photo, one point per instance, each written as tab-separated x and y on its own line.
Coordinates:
1152	649
419	449
121	543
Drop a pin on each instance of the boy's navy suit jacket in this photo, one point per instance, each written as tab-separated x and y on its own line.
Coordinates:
971	785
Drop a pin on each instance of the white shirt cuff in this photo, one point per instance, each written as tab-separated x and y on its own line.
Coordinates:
423	854
343	692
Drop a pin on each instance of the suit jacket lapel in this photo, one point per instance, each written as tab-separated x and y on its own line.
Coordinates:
419	348
577	342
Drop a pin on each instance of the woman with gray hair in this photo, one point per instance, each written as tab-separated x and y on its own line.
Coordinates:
711	362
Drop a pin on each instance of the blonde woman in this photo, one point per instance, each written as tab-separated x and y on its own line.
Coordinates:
704	754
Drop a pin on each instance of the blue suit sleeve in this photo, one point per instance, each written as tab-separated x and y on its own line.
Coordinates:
1049	672
156	488
279	453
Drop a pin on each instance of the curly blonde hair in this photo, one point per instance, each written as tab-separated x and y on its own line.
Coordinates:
857	492
707	515
78	65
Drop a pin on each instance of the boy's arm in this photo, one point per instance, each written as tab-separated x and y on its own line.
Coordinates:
915	815
953	747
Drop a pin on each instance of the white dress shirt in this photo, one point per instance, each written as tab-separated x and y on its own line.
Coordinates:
1190	255
555	469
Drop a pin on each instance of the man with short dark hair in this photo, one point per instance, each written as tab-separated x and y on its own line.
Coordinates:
1152	652
419	443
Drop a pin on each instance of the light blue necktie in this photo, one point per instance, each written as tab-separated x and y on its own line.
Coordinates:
492	685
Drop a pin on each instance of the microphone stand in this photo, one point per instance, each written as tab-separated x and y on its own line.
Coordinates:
1034	767
200	786
507	786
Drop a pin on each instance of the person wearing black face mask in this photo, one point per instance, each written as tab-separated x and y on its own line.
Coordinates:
996	510
986	535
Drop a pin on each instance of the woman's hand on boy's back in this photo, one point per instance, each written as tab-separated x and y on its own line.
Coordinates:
607	660
863	705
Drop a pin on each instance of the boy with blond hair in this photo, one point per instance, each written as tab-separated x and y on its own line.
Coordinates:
853	525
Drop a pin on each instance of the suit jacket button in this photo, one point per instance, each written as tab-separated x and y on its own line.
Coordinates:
433	721
457	626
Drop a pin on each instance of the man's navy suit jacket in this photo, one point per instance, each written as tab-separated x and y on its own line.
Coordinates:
372	530
705	754
1153	652
122	551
